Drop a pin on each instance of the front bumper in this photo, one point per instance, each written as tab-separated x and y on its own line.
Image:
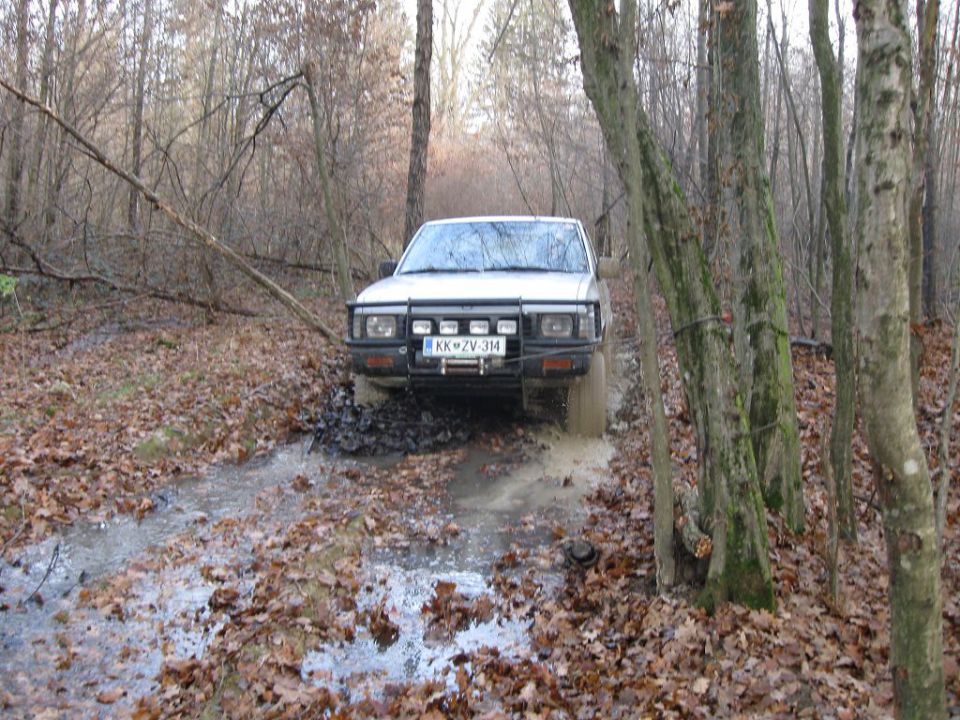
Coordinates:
541	361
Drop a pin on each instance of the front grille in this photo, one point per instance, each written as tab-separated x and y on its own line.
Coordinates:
510	364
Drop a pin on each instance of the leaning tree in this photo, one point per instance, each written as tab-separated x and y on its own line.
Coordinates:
730	500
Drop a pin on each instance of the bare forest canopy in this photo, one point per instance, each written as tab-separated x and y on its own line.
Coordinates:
205	102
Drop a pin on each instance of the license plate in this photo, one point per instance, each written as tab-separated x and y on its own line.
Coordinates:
464	346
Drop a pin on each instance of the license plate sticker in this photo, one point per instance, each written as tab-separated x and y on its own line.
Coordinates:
464	346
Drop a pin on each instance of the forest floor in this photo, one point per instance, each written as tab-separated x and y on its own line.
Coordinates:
170	549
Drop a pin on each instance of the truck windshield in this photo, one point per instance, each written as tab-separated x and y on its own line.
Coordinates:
491	246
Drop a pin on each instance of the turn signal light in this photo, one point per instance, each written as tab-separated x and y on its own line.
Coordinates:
380	361
557	364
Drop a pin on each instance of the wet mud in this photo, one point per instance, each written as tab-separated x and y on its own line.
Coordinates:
88	618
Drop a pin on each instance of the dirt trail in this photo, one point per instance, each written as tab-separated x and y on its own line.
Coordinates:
119	600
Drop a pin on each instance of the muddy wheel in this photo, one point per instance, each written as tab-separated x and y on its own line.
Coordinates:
366	394
587	400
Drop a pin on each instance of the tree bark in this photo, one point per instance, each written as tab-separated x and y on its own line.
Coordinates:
761	335
841	300
337	235
420	133
730	499
279	294
17	124
40	138
884	158
133	201
649	361
928	12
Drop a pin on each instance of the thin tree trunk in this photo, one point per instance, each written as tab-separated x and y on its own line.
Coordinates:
420	133
928	13
884	158
133	201
761	336
730	498
40	140
337	235
17	124
632	176
841	299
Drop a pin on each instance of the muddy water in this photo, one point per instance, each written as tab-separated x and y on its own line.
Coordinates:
495	514
55	653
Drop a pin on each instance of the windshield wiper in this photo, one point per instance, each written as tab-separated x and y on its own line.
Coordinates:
521	268
421	271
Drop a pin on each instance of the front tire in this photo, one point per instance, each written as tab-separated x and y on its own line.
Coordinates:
587	400
366	394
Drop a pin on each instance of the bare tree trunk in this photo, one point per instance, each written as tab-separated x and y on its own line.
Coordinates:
39	142
337	234
730	498
928	13
884	159
136	163
17	125
841	299
632	176
760	313
420	133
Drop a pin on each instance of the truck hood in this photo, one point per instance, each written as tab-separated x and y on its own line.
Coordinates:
529	286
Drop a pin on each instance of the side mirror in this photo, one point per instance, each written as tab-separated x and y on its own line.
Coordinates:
608	268
387	268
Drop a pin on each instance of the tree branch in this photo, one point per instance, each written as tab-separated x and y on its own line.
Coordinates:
282	296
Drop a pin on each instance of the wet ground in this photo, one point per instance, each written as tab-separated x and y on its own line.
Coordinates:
88	618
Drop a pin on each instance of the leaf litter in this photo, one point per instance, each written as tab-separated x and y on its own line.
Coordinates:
270	595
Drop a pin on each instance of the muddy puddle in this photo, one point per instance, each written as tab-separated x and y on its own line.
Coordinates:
68	655
498	510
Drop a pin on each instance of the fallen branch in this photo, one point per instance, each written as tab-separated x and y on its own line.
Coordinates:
697	542
282	296
46	575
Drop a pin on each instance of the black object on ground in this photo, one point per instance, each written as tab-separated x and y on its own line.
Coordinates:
406	423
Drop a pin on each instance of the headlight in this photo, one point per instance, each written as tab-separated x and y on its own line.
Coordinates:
381	326
506	327
556	326
479	327
422	327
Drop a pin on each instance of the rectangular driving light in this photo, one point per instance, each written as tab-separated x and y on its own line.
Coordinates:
506	327
556	326
422	327
449	327
381	326
479	327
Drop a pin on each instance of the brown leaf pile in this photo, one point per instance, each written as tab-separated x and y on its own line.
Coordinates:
91	424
